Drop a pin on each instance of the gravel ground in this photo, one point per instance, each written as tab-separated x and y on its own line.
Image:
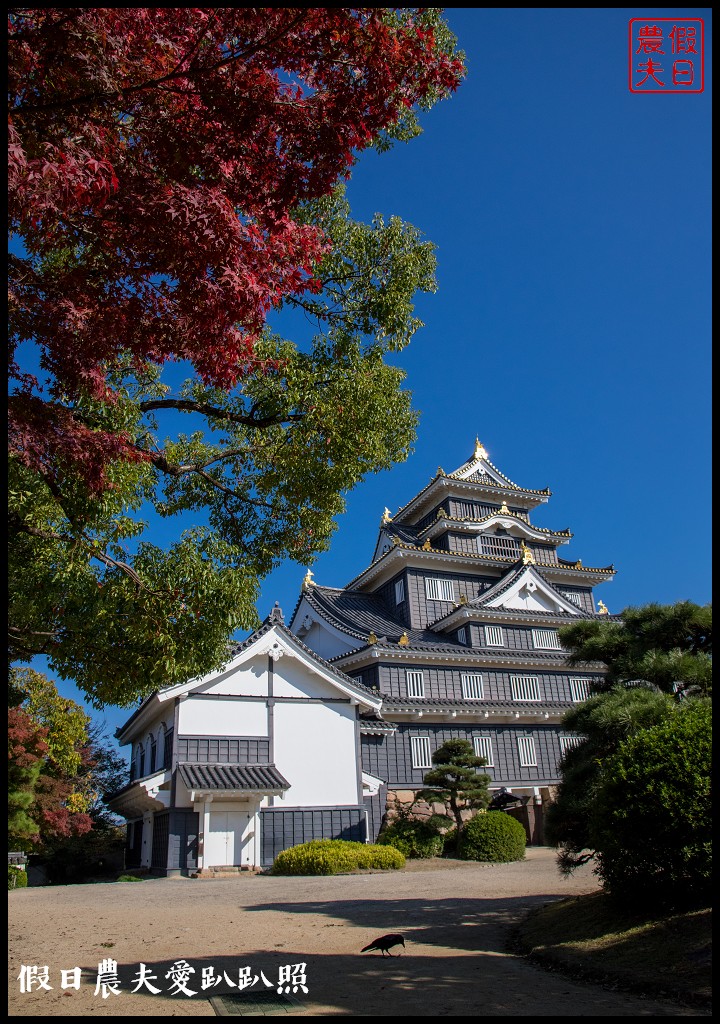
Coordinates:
455	918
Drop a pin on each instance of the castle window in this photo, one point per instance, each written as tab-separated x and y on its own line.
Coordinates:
420	751
546	639
499	546
573	597
525	687
579	690
483	748
494	636
167	749
462	635
526	747
439	590
472	686
399	591
567	743
415	684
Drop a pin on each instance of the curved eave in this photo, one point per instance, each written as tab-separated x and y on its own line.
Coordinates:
541	661
512	616
466	525
381	565
443	482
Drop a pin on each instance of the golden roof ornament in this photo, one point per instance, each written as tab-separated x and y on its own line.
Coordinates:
504	508
463	599
602	608
578	564
479	452
426	545
308	580
404	639
372	639
440	471
527	555
386	516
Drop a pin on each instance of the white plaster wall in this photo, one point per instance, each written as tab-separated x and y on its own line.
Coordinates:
315	751
292	678
248	680
222	717
325	644
182	796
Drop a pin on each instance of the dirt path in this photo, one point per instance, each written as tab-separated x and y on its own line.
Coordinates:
455	919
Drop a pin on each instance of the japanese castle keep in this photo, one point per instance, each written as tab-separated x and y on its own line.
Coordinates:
321	727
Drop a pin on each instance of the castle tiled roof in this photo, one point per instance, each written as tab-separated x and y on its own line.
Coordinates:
251	778
359	615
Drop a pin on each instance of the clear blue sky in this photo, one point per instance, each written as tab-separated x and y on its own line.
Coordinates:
571	328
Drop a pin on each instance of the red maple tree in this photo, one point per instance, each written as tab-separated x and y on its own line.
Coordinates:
38	791
156	158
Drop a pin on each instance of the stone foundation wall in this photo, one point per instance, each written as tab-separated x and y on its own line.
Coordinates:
401	801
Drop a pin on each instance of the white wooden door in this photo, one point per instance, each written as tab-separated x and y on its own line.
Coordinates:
224	844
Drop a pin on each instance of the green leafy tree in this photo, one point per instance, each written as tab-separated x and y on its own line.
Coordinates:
652	823
175	191
667	646
602	724
455	781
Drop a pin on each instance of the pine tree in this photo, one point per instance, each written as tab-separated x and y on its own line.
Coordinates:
455	780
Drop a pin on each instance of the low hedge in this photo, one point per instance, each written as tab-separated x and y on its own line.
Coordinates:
414	838
17	878
494	836
334	856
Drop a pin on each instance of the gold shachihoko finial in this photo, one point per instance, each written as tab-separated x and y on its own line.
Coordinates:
527	555
602	608
404	639
308	580
372	639
479	452
386	516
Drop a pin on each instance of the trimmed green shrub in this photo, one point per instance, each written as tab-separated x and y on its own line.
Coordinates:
654	814
493	836
413	837
129	878
334	856
17	878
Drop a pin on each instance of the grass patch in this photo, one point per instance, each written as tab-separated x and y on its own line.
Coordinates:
662	955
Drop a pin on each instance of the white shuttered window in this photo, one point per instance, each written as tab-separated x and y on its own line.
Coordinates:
579	690
399	591
415	684
525	687
546	639
420	751
483	748
494	636
439	590
472	686
567	743
526	747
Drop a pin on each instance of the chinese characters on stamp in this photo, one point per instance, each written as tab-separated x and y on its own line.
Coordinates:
667	55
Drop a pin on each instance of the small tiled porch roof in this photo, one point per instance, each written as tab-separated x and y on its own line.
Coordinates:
249	778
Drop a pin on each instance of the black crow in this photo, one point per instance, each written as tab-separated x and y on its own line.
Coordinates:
385	943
